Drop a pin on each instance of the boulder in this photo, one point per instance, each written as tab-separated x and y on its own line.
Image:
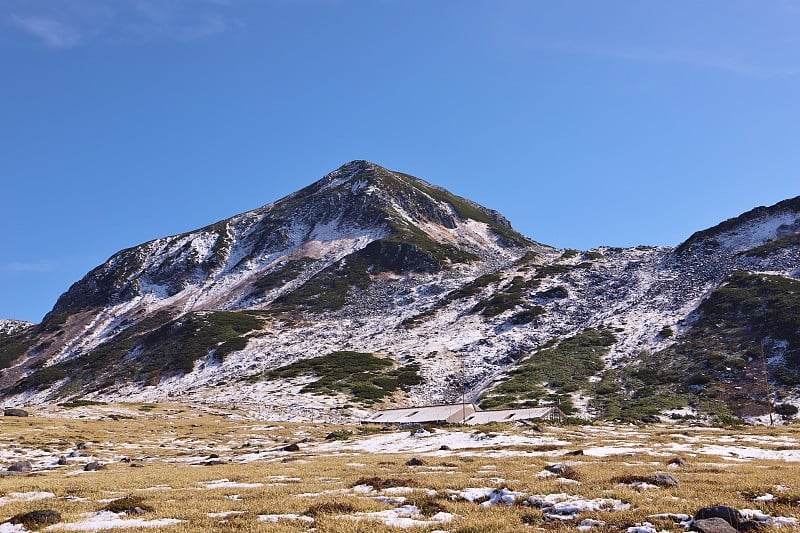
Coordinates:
93	466
38	519
713	525
61	461
22	466
677	461
291	448
650	419
415	462
12	411
731	515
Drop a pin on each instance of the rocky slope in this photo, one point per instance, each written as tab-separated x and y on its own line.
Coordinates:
419	293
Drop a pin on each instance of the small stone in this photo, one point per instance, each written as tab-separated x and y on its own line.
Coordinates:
713	525
37	519
81	445
291	448
62	461
22	466
677	461
664	480
415	462
93	466
557	469
444	447
650	419
576	452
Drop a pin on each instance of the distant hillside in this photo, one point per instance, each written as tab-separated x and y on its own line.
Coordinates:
369	266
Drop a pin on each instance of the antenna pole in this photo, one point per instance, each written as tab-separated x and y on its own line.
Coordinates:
463	391
765	372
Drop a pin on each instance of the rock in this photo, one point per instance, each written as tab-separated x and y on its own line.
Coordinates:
61	461
576	452
291	448
12	411
210	462
558	469
677	461
731	515
663	480
650	419
713	525
37	519
93	466
750	525
415	462
22	466
213	456
81	445
444	447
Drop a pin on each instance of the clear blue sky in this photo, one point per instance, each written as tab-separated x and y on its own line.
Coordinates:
585	123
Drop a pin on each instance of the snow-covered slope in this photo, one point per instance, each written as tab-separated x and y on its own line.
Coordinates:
8	326
371	261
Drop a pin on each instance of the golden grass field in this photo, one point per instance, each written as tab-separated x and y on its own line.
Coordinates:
156	457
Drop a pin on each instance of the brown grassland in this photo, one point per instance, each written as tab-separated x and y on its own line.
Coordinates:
171	459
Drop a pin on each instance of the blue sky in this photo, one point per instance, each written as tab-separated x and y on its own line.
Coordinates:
585	123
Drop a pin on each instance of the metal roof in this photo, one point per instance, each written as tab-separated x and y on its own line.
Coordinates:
510	415
433	413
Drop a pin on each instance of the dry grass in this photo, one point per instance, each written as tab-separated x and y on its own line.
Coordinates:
151	460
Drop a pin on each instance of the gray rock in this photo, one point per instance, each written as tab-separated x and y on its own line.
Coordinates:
558	469
291	448
22	466
677	461
415	462
731	515
94	465
713	525
664	480
62	461
12	411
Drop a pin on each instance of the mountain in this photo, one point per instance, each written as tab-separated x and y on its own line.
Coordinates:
372	286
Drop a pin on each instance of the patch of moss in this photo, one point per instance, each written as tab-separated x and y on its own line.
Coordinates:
279	277
508	298
366	377
717	363
774	246
13	347
563	368
157	346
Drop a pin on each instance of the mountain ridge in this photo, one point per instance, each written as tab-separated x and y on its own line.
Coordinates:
371	261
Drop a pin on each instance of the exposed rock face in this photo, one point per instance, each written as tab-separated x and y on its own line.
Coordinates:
372	261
